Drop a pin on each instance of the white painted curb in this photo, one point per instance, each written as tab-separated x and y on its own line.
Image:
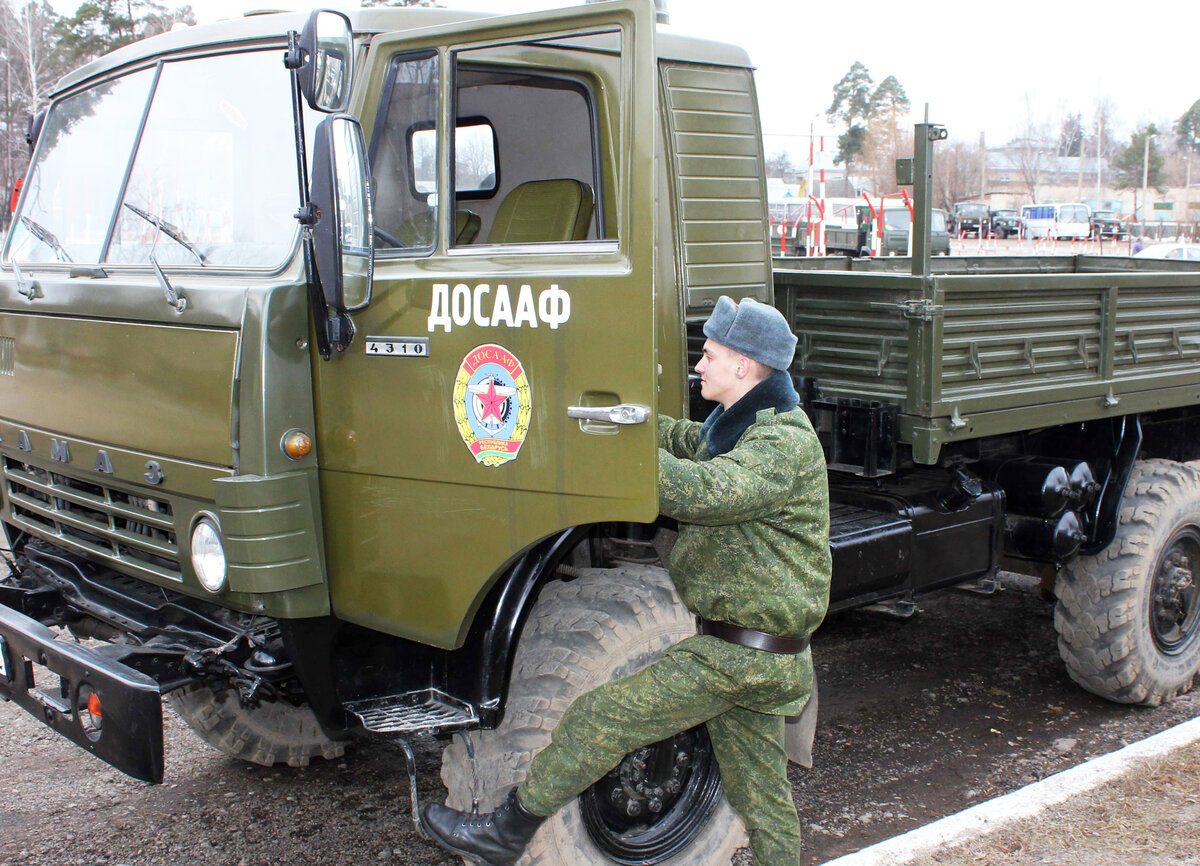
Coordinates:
991	815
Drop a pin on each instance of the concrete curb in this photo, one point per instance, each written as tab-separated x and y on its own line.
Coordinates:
991	815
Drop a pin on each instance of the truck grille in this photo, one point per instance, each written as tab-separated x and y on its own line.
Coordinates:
135	533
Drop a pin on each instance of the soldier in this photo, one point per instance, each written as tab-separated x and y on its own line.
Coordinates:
748	488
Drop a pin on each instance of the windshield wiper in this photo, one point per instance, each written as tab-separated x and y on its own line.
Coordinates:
47	237
171	231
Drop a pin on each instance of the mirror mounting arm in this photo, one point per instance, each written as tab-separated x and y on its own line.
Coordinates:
295	56
335	210
308	214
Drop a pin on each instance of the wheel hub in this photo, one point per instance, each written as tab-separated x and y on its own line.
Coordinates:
650	777
1174	607
656	801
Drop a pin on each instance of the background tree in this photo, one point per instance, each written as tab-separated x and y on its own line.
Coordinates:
878	160
889	100
851	106
852	96
37	47
780	165
101	26
1187	129
888	134
850	145
1032	150
956	169
1130	160
1187	137
1071	137
31	68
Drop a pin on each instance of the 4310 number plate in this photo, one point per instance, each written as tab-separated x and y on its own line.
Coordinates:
400	347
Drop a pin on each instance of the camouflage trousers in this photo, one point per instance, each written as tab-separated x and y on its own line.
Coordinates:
675	693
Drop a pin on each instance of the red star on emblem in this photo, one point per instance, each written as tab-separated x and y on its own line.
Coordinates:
492	402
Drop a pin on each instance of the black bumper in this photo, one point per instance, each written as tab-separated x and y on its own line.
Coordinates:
129	732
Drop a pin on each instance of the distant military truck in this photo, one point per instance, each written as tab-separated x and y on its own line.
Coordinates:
329	388
972	218
1005	223
1106	224
897	225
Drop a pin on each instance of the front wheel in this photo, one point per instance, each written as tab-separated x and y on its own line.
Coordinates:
663	803
273	732
1128	618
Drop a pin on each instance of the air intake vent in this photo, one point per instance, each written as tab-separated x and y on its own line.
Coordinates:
720	193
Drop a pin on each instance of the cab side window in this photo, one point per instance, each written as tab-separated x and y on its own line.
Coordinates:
529	160
404	154
546	189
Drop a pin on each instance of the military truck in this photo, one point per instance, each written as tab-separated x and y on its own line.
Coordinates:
972	217
329	388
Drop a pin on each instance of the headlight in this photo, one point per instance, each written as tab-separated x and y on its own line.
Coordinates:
208	555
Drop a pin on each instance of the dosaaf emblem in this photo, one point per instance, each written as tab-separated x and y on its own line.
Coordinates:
491	404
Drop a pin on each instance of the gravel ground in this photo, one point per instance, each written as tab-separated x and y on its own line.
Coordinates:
920	718
1150	817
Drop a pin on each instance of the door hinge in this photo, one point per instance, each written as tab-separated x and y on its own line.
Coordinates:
921	308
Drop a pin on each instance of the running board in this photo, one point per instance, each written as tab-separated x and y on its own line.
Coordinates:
979	586
427	710
896	608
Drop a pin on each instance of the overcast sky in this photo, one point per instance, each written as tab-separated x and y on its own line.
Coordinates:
983	67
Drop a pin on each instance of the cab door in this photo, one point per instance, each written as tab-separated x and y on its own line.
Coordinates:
476	411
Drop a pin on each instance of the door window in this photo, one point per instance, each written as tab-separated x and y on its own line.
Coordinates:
528	150
404	157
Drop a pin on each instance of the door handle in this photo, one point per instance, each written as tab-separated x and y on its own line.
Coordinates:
623	413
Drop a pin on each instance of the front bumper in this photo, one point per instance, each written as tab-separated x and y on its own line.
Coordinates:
129	733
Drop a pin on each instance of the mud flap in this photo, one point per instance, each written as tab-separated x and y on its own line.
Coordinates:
800	730
123	725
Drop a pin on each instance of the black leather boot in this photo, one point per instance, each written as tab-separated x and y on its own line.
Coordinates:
495	838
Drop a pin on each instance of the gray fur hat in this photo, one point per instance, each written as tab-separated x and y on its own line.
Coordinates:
752	329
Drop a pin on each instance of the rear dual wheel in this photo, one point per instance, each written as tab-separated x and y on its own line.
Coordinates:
1128	618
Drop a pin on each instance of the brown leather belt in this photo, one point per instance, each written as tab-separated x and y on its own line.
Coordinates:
749	637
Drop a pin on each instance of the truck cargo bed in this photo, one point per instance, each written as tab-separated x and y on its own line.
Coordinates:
988	346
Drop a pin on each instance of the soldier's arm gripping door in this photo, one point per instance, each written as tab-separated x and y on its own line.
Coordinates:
512	169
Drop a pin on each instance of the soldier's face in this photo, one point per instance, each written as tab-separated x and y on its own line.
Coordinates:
722	374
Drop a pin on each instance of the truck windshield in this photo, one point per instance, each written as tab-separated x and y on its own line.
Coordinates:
217	163
214	169
72	189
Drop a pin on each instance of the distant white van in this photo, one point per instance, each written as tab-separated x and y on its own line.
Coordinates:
1066	220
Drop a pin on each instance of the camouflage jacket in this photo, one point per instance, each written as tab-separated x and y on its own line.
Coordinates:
753	547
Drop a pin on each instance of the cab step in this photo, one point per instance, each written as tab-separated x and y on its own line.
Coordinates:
427	710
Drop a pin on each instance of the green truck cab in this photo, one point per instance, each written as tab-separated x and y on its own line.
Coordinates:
328	401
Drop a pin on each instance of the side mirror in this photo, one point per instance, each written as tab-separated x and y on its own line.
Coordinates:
344	233
327	44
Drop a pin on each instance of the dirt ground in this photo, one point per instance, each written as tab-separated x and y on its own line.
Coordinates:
919	719
1150	817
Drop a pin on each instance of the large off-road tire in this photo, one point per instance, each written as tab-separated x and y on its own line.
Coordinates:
272	733
606	624
1128	618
